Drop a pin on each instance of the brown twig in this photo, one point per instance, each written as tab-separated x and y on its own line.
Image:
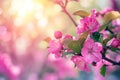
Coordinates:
107	59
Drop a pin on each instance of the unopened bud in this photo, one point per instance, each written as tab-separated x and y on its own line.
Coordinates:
115	43
58	34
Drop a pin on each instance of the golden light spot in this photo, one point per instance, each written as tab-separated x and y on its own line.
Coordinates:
43	45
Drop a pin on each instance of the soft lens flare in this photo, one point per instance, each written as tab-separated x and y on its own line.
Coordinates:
22	7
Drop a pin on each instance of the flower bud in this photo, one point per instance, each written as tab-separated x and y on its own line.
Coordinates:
67	36
58	34
115	43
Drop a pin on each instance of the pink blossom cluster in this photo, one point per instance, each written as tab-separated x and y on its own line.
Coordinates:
56	46
88	23
90	46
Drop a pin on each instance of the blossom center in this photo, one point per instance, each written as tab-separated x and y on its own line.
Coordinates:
90	50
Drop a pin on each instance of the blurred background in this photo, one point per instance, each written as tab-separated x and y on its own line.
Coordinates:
24	26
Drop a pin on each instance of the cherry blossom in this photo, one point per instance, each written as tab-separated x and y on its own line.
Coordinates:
68	36
92	51
58	34
80	63
115	43
97	71
50	76
88	23
55	46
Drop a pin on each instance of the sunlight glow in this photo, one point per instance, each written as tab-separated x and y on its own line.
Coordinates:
22	7
26	10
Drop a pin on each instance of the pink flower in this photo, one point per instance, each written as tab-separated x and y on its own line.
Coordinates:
116	22
55	47
68	36
97	75
3	30
50	76
88	23
7	70
80	63
4	34
58	34
115	43
64	68
92	51
118	58
117	29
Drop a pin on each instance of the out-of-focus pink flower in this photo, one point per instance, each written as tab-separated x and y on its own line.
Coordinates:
118	58
4	34
117	29
88	23
3	30
97	74
97	68
62	66
80	63
7	70
58	34
115	43
55	47
92	51
68	36
116	22
33	77
50	76
103	12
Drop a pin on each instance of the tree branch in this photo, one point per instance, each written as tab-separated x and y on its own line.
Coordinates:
68	14
107	59
63	5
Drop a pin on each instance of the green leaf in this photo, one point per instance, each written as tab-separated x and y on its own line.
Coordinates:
75	46
104	26
112	15
103	70
81	13
67	41
66	53
83	37
97	37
